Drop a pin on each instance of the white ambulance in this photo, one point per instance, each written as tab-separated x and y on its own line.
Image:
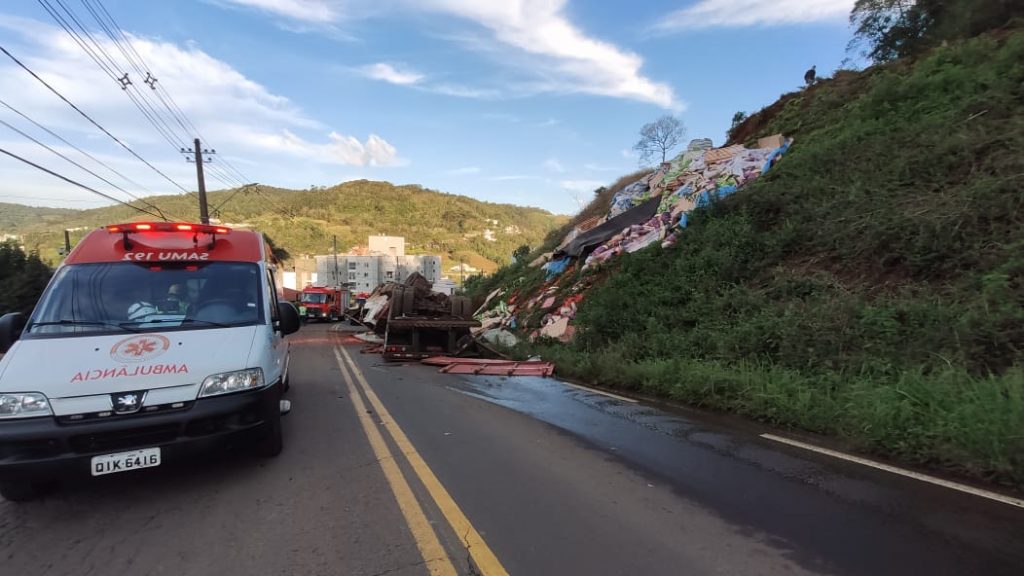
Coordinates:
152	341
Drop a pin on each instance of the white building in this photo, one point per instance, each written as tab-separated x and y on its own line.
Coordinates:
386	262
445	286
387	245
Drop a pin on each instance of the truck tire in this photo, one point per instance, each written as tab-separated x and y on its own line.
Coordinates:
409	301
461	307
19	491
397	299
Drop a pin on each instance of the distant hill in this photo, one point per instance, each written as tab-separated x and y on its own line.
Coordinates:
483	234
15	216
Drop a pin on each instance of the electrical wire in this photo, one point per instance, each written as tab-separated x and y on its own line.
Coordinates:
87	117
118	37
38	143
108	64
79	184
80	151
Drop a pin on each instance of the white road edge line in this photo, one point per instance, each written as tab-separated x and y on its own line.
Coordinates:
601	392
902	472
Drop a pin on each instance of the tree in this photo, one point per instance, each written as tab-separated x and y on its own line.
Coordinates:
659	137
520	253
22	279
890	29
737	119
279	253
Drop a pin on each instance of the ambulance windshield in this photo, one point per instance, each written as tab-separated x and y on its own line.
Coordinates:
132	297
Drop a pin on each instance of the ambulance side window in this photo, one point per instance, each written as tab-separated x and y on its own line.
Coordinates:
272	287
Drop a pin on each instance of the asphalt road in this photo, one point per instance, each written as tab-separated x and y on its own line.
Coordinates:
396	469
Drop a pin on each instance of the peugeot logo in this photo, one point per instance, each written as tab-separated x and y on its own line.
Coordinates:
127	402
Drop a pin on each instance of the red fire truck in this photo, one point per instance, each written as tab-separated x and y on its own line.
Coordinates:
323	303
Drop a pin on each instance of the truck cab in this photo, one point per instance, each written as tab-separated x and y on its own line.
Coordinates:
323	303
152	341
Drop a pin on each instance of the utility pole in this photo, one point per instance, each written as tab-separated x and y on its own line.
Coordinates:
197	152
67	242
334	250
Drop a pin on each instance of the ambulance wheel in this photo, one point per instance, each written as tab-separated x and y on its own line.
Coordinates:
19	491
271	444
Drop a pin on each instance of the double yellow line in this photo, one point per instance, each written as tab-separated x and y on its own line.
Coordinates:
433	553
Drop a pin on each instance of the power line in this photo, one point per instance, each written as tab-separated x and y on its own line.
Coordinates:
48	198
245	188
79	184
37	142
83	152
112	68
139	98
117	35
87	117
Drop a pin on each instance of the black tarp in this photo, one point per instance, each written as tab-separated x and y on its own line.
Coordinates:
600	234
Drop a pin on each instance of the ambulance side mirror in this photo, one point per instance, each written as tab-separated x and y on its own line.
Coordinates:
289	318
11	326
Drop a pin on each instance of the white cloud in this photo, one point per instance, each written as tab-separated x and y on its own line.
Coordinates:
739	13
514	177
388	73
603	168
248	124
340	149
464	91
534	36
564	56
581	185
553	165
316	11
628	153
466	171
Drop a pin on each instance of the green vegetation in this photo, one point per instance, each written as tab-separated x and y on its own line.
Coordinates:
890	29
303	221
870	287
22	278
13	216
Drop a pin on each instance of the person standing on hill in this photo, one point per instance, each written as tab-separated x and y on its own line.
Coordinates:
810	75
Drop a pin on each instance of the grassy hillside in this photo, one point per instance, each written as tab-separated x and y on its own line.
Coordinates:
14	217
870	287
303	221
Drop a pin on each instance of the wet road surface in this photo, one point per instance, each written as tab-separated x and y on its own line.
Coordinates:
396	469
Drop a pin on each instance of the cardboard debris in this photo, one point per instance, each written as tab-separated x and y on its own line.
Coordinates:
539	261
719	154
773	141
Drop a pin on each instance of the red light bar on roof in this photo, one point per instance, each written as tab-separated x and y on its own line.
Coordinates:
167	227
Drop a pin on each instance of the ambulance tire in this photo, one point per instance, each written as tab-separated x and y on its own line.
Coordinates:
19	491
273	442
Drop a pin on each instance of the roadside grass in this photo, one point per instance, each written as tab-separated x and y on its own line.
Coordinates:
871	286
946	419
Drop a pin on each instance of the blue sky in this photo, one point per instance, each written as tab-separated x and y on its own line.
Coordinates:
533	102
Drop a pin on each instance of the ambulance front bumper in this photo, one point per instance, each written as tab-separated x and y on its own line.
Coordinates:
47	447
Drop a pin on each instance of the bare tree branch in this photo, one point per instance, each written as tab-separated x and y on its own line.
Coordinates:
659	137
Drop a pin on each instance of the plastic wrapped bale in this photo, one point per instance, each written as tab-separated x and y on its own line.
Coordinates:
555	268
630	196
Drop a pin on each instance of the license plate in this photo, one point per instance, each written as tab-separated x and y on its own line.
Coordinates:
125	461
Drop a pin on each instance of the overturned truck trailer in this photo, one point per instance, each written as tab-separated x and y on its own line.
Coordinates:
417	322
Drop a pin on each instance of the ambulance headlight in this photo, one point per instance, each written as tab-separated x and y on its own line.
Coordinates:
228	382
24	405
